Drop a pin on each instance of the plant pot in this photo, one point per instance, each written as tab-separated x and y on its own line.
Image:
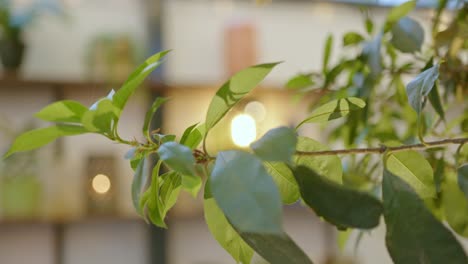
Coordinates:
20	197
11	54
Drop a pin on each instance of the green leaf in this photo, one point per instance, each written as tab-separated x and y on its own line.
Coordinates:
39	137
101	117
149	204
407	35
436	102
178	157
371	51
369	25
246	193
352	38
63	111
300	81
455	205
421	86
333	110
170	184
139	183
234	90
186	133
278	144
340	205
192	184
328	166
327	53
413	234
193	137
463	179
414	169
223	232
400	11
284	179
136	79
276	248
149	115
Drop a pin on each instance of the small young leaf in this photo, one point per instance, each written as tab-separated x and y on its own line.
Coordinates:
341	206
328	166
234	90
414	235
400	11
276	248
327	53
149	204
407	35
455	205
136	79
138	184
414	169
300	81
192	184
334	109
194	137
278	144
246	193
170	184
149	115
421	86
285	181
101	117
223	232
352	38
177	157
39	137
186	133
63	111
369	25
463	179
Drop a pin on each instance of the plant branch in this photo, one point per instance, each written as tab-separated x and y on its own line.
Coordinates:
382	149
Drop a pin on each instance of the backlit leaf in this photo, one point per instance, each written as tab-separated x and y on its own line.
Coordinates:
300	81
400	11
285	181
139	183
352	38
63	111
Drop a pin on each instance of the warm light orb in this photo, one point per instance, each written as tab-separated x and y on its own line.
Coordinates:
101	184
243	130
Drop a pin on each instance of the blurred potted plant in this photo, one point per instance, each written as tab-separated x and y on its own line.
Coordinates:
12	24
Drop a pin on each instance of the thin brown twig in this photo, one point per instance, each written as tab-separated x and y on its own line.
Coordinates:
382	149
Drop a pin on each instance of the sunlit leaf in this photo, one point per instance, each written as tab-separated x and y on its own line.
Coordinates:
407	35
178	157
234	90
340	205
455	205
414	169
246	193
414	235
193	137
334	109
278	144
300	81
352	38
37	138
285	181
101	117
192	184
400	11
329	166
63	111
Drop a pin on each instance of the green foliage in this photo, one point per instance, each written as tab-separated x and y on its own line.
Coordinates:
423	183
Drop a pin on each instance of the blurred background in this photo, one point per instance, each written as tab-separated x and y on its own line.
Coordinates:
70	202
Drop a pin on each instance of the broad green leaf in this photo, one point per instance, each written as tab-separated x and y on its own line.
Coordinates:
178	157
285	181
63	111
334	109
328	166
421	86
194	137
100	118
407	35
149	202
300	81
436	102
186	133
139	183
170	184
414	169
455	205
463	179
39	137
352	38
400	11
278	144
327	53
192	184
414	235
161	139
234	90
246	193
136	79
223	232
339	205
149	115
276	248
